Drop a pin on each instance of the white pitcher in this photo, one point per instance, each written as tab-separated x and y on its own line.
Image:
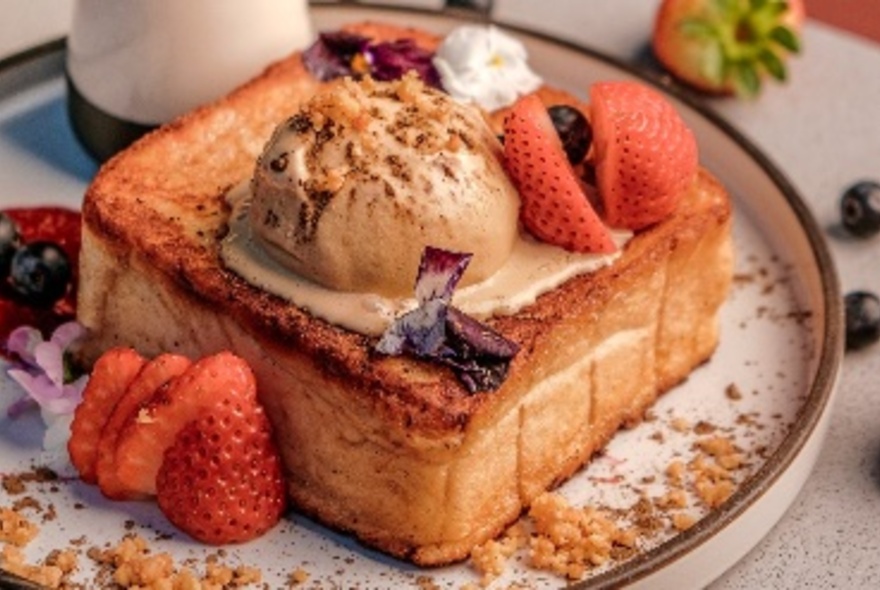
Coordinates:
135	64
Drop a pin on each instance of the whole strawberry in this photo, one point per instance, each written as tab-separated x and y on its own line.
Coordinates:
727	46
221	480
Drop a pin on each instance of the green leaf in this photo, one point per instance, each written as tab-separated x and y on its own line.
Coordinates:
757	4
776	9
712	65
697	28
745	79
772	64
786	37
728	9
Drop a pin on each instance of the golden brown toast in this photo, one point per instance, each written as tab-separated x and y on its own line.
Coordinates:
391	449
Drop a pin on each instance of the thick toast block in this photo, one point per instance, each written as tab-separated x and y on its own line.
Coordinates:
393	450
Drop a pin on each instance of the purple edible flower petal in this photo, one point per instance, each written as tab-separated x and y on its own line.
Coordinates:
48	395
67	334
50	358
439	272
391	60
332	54
21	406
420	332
21	343
478	355
40	369
476	338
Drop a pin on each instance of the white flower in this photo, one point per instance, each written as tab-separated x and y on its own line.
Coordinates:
41	371
484	65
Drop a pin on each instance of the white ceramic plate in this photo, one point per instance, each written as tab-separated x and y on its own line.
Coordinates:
780	349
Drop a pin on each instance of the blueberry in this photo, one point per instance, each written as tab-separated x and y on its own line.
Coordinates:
860	208
10	241
574	130
862	319
40	272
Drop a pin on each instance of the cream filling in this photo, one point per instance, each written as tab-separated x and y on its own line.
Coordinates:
533	268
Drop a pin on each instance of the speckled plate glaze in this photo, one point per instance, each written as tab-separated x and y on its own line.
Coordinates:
768	388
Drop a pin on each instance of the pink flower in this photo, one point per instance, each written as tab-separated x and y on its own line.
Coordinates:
42	370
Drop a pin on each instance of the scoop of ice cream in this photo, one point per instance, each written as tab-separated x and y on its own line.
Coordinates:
350	190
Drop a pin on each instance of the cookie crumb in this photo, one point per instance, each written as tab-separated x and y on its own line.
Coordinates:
491	557
570	541
297	577
15	528
733	392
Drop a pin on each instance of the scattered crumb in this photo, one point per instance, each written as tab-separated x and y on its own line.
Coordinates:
16	483
733	392
15	528
13	484
682	521
16	531
491	557
297	577
131	564
569	541
680	424
12	559
426	583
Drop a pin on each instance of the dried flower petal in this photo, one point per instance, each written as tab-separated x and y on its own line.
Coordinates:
391	60
68	334
339	54
50	358
479	356
41	369
21	344
330	56
439	272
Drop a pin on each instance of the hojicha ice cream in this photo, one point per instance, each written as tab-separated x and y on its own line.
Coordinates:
351	189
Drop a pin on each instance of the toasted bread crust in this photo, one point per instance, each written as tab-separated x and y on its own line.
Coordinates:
357	430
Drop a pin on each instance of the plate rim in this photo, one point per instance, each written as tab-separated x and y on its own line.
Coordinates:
830	350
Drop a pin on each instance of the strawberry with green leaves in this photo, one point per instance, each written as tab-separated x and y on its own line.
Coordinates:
727	46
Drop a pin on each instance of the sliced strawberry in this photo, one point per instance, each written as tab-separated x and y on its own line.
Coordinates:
221	481
143	441
156	374
644	154
555	208
111	376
